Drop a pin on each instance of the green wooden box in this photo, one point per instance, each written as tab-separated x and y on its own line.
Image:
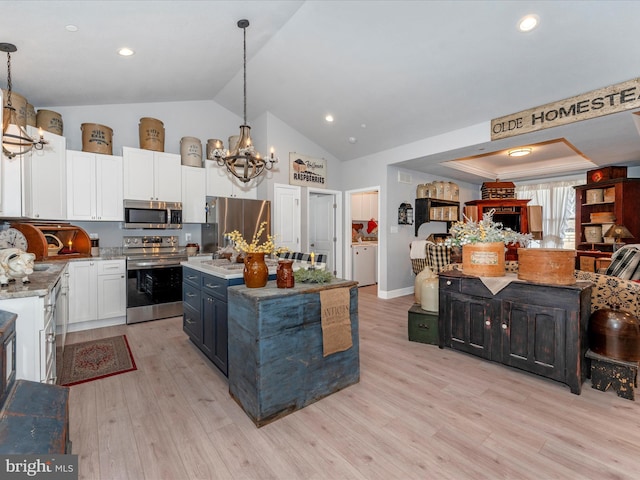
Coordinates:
423	325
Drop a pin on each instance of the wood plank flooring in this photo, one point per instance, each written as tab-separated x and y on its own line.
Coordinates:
418	413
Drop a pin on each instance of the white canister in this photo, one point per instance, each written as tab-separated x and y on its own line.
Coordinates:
417	290
593	234
595	195
191	151
429	294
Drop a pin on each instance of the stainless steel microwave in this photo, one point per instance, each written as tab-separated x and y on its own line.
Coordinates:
149	214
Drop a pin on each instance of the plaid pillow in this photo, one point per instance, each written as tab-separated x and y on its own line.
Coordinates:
624	265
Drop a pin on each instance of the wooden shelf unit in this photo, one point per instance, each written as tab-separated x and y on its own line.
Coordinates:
625	205
423	211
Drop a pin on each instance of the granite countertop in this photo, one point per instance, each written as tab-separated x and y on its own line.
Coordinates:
41	280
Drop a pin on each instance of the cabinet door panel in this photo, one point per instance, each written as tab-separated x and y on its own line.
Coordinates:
111	296
81	181
168	177
109	194
534	339
138	174
82	292
466	327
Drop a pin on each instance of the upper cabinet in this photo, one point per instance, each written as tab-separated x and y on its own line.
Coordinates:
45	180
150	175
220	184
193	195
364	206
94	187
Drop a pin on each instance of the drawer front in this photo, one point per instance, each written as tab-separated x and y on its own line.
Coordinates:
108	267
191	296
192	323
449	284
215	286
423	327
191	276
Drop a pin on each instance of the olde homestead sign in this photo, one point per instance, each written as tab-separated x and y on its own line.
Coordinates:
597	103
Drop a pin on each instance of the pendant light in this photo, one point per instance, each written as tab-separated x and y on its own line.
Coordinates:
15	139
242	160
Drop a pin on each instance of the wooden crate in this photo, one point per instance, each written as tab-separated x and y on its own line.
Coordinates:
552	266
422	325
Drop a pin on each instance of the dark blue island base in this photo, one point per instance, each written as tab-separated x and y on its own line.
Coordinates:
276	363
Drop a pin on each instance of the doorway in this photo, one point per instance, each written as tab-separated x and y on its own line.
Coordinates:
324	233
362	217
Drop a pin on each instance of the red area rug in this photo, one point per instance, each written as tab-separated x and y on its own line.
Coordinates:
95	359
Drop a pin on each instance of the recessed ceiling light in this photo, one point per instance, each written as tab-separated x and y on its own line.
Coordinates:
528	23
353	140
328	118
520	152
71	28
125	52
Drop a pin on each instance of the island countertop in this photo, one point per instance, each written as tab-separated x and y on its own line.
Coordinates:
223	268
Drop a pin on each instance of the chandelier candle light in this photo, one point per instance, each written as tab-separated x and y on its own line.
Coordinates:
15	139
242	160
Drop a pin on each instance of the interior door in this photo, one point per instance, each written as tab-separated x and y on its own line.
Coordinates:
322	227
286	216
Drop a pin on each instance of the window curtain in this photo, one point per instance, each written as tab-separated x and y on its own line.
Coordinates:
558	207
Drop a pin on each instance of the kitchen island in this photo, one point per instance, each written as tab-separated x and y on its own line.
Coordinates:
276	362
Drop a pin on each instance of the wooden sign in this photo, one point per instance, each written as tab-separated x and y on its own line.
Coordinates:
307	171
597	103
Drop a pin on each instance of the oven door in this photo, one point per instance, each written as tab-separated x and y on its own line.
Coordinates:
154	289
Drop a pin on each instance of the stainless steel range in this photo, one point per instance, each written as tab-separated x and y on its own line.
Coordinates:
154	277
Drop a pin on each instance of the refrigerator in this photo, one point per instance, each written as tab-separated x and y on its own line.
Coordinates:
226	214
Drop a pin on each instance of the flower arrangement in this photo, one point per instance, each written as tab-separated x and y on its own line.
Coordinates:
241	245
484	231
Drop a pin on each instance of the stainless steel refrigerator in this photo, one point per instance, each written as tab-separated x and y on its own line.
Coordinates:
227	214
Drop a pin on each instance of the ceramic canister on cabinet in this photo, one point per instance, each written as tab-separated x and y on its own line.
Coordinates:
191	151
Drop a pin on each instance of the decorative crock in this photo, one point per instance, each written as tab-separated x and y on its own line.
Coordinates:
256	272
284	274
615	334
483	259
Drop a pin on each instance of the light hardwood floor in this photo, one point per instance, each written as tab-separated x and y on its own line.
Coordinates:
418	413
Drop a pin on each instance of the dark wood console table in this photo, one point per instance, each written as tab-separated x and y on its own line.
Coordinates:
538	328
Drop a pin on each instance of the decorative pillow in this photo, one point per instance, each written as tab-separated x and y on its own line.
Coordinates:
624	264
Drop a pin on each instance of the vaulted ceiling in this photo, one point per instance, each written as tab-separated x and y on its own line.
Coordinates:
390	72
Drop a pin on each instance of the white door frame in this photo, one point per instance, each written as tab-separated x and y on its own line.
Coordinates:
337	195
347	228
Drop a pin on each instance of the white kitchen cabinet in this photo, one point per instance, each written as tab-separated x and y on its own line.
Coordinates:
45	179
97	294
150	175
11	180
94	184
220	183
364	206
193	195
363	264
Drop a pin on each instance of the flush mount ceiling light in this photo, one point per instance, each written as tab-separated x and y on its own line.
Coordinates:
328	118
242	160
15	139
528	23
520	152
125	52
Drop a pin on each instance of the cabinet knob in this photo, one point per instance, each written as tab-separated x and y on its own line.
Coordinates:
448	282
504	326
487	323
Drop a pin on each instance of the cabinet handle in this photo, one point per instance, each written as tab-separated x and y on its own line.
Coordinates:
504	326
448	282
487	323
192	277
190	295
188	321
423	325
208	285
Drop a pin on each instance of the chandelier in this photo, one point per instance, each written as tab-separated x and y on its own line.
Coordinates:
15	139
242	160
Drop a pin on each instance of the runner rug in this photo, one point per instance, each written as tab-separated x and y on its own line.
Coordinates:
87	361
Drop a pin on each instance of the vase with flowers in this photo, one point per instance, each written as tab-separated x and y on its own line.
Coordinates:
256	272
483	244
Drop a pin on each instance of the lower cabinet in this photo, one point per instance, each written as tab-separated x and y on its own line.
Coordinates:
541	329
205	313
97	293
